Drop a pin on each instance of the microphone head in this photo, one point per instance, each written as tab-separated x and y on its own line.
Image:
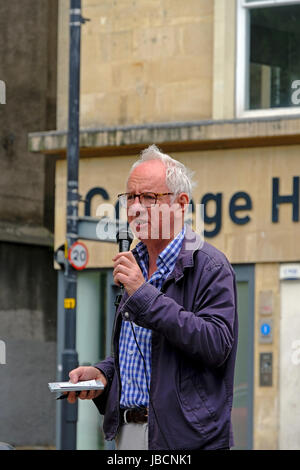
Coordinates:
125	234
124	238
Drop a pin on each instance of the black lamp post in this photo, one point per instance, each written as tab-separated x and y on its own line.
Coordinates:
69	412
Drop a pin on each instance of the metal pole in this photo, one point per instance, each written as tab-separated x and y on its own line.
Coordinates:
69	413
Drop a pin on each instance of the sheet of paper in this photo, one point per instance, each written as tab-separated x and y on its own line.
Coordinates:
69	386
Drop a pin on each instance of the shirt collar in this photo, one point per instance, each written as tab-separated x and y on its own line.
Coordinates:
166	257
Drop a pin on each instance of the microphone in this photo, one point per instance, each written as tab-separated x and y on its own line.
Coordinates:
124	239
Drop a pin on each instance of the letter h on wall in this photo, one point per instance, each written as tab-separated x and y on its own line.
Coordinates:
290	199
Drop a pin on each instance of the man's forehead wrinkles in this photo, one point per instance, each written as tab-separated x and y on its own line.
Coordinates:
149	181
146	185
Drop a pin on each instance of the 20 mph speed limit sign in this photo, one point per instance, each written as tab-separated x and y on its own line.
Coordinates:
78	256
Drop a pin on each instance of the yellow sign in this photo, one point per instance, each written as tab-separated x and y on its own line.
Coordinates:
66	250
69	303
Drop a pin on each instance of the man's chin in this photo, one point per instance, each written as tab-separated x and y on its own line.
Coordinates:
141	231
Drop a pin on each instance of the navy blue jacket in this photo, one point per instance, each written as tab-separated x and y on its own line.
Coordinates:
194	326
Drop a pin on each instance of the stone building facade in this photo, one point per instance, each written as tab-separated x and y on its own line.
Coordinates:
189	77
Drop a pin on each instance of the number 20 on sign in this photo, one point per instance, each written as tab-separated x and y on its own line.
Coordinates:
78	256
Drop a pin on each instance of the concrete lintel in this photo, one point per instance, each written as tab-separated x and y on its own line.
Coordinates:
177	136
25	234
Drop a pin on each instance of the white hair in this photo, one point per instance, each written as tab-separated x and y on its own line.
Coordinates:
178	177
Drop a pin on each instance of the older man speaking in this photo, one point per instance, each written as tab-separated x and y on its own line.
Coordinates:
169	384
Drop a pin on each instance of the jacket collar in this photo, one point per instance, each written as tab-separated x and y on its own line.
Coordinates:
192	242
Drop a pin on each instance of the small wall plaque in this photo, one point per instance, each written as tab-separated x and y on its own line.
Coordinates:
266	331
266	302
266	369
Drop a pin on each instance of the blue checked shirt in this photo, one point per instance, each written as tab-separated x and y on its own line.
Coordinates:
134	387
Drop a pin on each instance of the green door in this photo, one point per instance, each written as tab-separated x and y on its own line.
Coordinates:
90	345
96	293
242	413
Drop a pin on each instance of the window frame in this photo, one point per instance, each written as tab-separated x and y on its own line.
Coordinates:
242	60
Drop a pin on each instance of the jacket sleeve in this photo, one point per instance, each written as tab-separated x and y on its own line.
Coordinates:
207	332
107	367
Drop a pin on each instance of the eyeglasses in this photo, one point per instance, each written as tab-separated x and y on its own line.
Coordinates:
145	199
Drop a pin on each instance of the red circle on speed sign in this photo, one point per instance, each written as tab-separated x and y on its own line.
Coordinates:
78	256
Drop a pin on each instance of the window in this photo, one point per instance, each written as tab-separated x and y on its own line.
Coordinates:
268	57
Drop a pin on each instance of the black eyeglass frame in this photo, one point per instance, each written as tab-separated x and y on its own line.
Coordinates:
156	196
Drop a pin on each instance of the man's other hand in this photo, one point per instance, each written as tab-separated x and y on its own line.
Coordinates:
85	373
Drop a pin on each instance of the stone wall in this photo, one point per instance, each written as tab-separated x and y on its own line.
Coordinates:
28	66
28	329
142	61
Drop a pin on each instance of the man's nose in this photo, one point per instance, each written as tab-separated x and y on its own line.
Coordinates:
136	208
137	199
137	202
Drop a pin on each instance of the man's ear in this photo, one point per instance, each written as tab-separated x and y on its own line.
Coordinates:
183	199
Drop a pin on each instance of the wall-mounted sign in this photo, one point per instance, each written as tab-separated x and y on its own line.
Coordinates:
266	369
290	271
239	209
266	331
69	303
266	302
246	203
78	256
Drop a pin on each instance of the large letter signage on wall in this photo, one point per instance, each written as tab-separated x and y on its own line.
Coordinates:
239	206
